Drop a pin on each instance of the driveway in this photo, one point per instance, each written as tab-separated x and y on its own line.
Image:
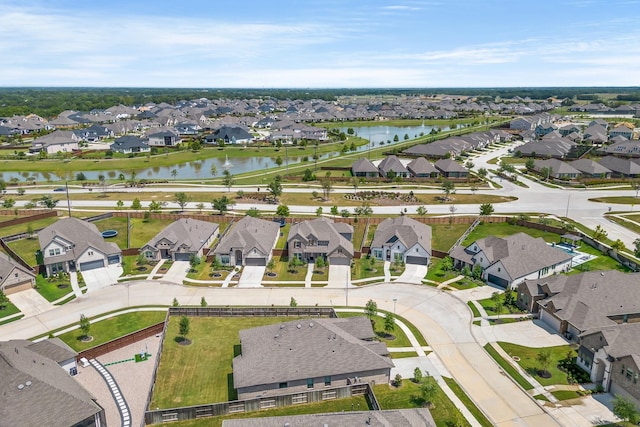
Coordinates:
30	302
413	273
339	276
251	276
177	272
99	278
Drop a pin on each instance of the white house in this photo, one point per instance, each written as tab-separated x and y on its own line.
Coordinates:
404	239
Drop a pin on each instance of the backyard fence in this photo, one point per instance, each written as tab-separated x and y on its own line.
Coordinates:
252	311
121	342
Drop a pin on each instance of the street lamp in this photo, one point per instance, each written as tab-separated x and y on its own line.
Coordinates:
394	306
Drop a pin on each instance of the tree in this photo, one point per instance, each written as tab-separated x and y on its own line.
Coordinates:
496	299
319	211
469	164
293	264
275	187
194	261
80	176
271	264
417	375
253	212
389	323
85	326
326	188
446	264
278	161
397	380
21	191
174	173
200	207
184	327
181	199
320	262
371	309
221	204
486	209
203	302
482	173
625	410
195	145
334	210
636	247
227	180
448	188
308	175
155	206
599	233
4	300
119	204
618	245
214	171
395	138
8	203
136	205
282	211
421	210
636	187
428	390
544	359
175	302
293	302
530	164
48	202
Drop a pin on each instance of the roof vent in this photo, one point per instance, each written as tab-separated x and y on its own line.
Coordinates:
311	324
281	326
20	386
276	335
299	326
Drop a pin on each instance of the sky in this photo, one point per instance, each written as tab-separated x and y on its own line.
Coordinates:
319	44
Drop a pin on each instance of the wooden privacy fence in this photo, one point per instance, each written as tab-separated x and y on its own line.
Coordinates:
25	216
252	311
121	342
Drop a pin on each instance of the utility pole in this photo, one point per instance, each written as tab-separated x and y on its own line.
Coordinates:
66	185
566	215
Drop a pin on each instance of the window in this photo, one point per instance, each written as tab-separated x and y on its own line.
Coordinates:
416	249
90	253
296	244
282	385
499	269
16	275
51	252
57	251
625	318
310	383
327	380
629	373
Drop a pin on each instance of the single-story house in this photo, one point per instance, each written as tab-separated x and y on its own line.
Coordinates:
402	238
14	277
129	144
422	168
391	166
180	240
591	169
37	388
311	354
556	147
364	168
508	261
71	244
163	138
556	169
249	242
230	135
619	167
623	148
321	237
451	169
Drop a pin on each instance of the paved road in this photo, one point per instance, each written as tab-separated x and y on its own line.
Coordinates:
452	340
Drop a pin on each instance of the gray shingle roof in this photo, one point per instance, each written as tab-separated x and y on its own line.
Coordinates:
391	164
364	165
305	349
54	349
421	166
620	165
191	233
589	166
407	230
7	265
558	167
323	228
249	233
81	233
53	399
449	165
417	417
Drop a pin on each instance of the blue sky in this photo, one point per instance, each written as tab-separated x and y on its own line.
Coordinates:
320	44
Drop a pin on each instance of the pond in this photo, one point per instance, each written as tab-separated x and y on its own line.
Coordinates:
385	134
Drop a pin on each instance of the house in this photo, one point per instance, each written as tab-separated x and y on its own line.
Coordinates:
508	261
414	417
557	147
402	238
187	128
569	129
591	169
321	237
556	169
619	167
611	355
180	240
71	243
621	130
364	168
451	169
163	138
249	242
38	390
574	304
391	167
422	168
14	277
94	133
230	135
55	142
129	144
595	134
623	148
311	354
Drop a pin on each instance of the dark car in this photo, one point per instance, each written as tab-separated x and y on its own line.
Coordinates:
59	189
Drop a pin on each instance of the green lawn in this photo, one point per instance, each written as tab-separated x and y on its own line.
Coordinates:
320	274
113	327
282	274
371	231
504	229
183	379
565	394
508	368
602	262
131	267
26	249
400	339
466	283
489	306
437	274
443	236
358	233
141	231
474	309
8	310
358	270
282	239
403	354
22	228
408	396
339	405
201	272
53	289
477	413
528	361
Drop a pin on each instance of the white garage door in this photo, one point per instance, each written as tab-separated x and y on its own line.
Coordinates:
550	320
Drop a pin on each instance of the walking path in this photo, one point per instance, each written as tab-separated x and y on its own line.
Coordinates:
125	415
155	269
387	272
73	277
307	278
446	282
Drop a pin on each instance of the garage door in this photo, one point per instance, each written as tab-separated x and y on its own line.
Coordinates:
91	265
256	261
550	320
182	257
114	259
498	280
339	261
417	260
22	286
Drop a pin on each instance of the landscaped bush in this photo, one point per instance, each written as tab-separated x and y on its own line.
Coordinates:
575	374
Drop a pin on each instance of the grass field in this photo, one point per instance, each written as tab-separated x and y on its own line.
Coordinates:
339	405
443	237
201	372
8	310
54	289
401	339
359	270
474	309
528	361
504	229
282	274
407	395
141	231
26	249
436	273
508	368
22	228
113	327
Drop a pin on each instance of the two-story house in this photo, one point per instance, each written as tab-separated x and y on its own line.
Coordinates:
321	237
402	239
